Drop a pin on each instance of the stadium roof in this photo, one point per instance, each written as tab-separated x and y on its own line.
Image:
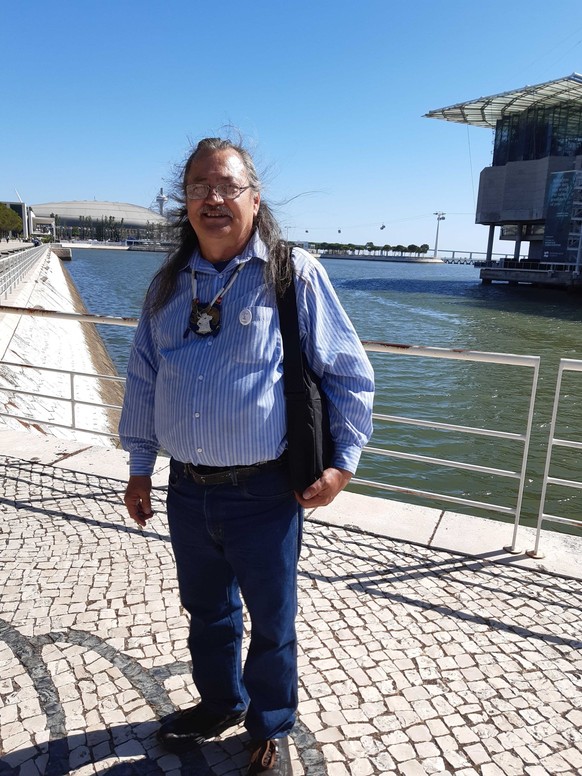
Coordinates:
131	214
486	111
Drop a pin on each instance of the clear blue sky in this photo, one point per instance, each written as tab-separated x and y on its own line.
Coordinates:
102	99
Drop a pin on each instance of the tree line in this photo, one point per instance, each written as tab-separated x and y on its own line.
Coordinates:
108	229
369	248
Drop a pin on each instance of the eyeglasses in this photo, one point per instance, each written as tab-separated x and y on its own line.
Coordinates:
224	190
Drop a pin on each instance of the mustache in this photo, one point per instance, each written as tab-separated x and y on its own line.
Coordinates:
219	210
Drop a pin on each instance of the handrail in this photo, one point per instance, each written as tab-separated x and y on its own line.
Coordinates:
81	317
14	266
451	353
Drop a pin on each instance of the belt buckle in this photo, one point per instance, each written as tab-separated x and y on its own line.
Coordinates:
217	478
199	479
205	479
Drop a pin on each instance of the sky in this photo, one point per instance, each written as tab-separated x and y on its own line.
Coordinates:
103	100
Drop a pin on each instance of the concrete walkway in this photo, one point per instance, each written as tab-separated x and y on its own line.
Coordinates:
413	659
13	245
33	349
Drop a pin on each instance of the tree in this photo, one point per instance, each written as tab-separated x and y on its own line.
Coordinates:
100	229
118	231
9	220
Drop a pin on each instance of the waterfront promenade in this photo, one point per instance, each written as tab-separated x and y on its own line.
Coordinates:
413	659
425	647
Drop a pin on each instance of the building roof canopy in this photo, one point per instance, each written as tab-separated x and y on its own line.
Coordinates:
486	111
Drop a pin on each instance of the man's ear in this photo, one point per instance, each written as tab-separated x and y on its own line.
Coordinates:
256	203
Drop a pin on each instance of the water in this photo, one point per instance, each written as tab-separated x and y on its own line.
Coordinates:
114	282
439	305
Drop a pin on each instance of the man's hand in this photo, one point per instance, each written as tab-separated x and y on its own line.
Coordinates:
137	499
325	489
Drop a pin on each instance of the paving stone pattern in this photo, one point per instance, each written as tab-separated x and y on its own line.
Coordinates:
411	661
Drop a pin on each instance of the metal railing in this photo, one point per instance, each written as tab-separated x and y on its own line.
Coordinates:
565	365
71	398
519	473
58	315
530	266
446	256
15	265
71	378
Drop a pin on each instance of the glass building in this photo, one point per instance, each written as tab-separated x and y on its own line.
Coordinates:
532	191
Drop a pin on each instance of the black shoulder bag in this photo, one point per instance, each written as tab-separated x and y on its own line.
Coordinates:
309	441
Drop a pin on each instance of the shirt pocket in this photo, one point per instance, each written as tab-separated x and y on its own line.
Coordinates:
257	338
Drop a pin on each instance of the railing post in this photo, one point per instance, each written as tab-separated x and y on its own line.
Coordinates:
566	364
535	552
72	393
513	547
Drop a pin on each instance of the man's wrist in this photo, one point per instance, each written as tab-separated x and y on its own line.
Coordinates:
347	459
141	464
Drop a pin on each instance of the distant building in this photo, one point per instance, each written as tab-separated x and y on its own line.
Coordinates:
533	189
89	219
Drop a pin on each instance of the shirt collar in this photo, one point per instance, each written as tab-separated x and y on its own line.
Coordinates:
254	249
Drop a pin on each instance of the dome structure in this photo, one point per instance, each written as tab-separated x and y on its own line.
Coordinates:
76	212
89	219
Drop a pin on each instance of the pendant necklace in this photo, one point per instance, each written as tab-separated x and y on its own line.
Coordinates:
205	318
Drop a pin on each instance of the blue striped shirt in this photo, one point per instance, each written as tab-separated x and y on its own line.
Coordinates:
218	400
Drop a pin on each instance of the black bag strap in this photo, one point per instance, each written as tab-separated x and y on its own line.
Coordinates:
292	353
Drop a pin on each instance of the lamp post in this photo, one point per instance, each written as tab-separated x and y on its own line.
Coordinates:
440	217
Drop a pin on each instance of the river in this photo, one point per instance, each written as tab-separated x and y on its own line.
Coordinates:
439	305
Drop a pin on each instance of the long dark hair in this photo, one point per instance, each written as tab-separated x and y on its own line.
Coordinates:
278	267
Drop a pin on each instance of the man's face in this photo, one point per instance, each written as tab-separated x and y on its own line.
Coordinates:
223	226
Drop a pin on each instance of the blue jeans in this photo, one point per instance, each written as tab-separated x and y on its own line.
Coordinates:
229	540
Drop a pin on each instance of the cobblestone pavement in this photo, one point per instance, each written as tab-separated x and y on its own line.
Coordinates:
411	661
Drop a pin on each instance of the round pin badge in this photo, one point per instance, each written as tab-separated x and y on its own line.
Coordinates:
245	316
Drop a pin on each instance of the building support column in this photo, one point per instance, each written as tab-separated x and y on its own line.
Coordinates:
490	242
518	243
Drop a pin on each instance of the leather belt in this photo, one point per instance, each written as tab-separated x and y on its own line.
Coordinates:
219	475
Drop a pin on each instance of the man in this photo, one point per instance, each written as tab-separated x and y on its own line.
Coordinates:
205	383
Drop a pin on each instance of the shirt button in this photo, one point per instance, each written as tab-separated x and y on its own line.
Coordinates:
196	414
209	343
199	450
201	377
